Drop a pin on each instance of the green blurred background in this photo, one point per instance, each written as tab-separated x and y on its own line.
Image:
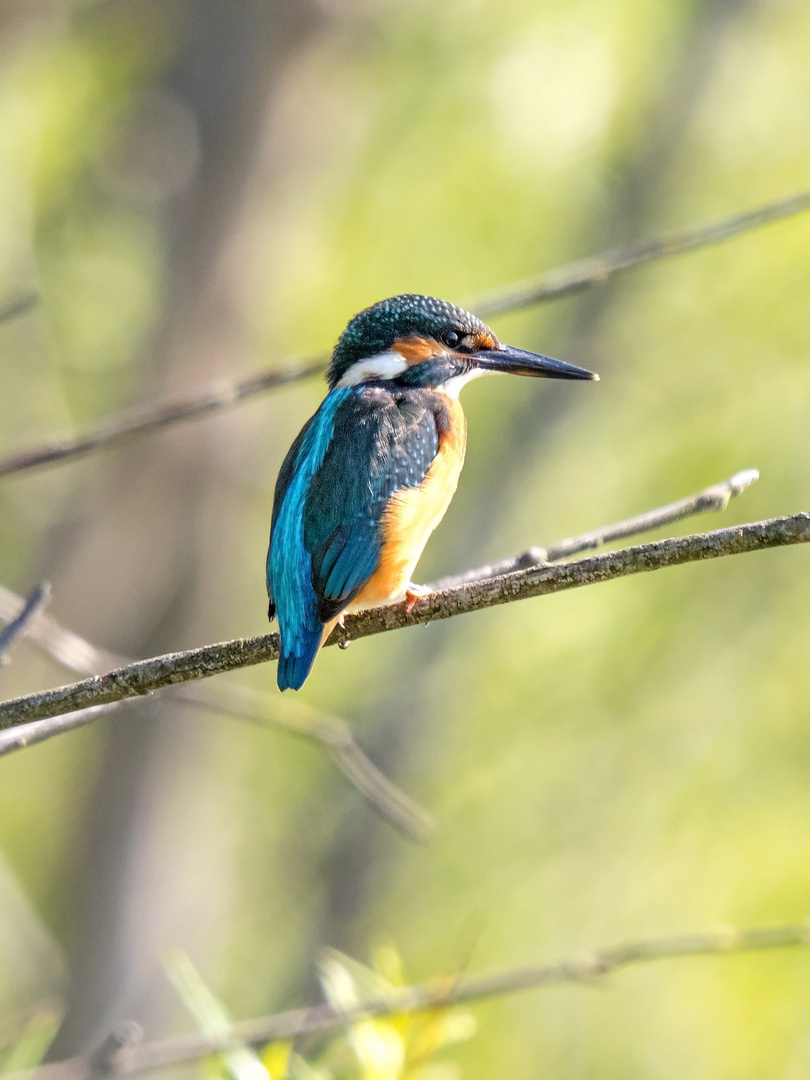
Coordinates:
201	188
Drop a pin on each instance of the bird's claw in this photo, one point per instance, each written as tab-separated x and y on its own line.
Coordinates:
412	594
345	641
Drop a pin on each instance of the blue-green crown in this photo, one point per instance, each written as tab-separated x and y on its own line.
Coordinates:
375	329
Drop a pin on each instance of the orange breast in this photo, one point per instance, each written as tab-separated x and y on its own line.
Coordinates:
413	514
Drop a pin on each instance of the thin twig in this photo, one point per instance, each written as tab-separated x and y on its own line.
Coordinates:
335	734
68	649
597	269
574	277
18	305
295	717
440	992
22	736
716	497
202	401
146	676
36	600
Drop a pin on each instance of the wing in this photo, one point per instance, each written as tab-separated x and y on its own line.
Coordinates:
289	566
285	478
362	445
383	442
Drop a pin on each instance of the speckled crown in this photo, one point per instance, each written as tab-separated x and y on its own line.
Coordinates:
376	328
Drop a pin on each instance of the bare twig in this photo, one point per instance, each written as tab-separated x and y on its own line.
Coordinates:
295	717
141	419
38	731
146	676
36	600
67	648
18	305
716	497
440	992
335	734
563	281
598	269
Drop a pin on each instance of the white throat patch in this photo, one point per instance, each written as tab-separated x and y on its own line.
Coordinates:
453	386
384	365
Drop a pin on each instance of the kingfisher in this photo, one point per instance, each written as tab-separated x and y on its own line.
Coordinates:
372	473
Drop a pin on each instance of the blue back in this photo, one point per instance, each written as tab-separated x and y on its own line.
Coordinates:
364	443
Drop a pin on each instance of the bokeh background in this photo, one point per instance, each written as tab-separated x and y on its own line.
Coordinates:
200	188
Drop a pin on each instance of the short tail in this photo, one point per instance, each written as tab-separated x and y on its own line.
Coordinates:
294	666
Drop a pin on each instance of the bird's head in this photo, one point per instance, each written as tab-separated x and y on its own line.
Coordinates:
413	340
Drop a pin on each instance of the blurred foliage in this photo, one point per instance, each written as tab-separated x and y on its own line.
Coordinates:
396	1046
25	1049
391	1047
604	764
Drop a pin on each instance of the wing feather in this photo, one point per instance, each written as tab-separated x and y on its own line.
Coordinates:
386	442
363	444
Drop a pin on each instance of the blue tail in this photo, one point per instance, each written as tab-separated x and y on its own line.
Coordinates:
294	666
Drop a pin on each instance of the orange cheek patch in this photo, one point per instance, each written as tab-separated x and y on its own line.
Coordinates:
415	350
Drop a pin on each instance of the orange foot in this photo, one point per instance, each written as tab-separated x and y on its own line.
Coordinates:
412	594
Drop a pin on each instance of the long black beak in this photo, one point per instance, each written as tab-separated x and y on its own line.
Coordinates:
520	362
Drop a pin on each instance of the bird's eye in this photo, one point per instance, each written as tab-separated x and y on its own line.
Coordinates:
450	338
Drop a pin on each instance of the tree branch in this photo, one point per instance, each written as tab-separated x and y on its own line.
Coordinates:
37	599
334	734
716	497
21	736
79	655
294	717
68	649
440	992
140	420
564	281
146	676
597	269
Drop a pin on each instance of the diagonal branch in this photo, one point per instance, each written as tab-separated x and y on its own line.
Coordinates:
63	645
21	736
716	497
79	655
146	676
297	718
36	600
438	993
598	269
140	420
564	281
334	734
